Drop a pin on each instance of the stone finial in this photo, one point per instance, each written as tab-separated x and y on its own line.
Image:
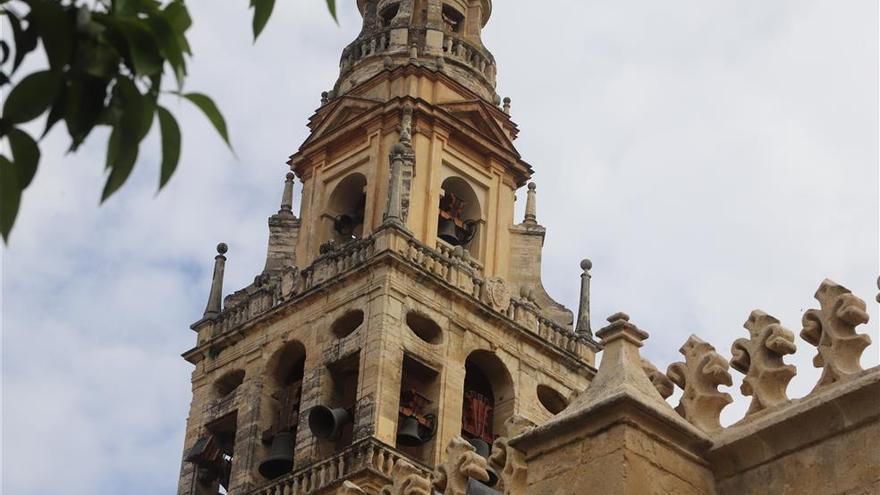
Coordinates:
660	381
413	52
832	329
699	376
462	463
760	358
507	106
510	464
325	97
349	488
407	480
287	195
212	310
583	326
531	204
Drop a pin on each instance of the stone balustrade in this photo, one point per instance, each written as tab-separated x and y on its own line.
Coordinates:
365	455
376	44
452	265
458	49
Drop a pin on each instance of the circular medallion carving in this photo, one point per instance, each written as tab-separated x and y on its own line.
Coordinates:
497	294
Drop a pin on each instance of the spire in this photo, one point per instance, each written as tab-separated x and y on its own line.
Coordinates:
583	321
531	208
216	295
283	231
287	196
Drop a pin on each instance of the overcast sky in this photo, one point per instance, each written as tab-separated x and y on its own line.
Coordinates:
711	158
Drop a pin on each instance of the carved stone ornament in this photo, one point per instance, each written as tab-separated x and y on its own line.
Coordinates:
660	381
497	294
832	329
510	464
407	480
462	462
699	376
349	488
760	359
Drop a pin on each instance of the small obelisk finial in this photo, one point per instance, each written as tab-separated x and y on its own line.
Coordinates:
507	105
531	204
214	299
583	321
287	196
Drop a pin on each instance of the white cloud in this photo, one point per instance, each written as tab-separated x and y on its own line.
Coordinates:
711	159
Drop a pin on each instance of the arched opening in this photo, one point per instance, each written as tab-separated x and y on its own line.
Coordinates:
424	327
332	421
453	20
280	412
417	409
346	324
553	401
345	210
460	215
488	397
388	13
226	384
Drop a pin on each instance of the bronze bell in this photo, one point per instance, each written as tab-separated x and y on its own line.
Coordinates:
280	459
408	432
447	231
485	450
327	423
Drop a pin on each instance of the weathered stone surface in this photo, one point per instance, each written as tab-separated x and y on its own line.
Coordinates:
462	463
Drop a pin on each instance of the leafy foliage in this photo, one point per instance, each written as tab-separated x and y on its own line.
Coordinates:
107	61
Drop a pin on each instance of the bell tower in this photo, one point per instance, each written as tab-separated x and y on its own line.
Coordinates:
403	305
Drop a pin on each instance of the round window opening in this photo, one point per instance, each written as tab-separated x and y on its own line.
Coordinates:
424	328
347	323
227	383
552	400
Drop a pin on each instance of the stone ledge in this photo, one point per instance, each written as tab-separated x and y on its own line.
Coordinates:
781	431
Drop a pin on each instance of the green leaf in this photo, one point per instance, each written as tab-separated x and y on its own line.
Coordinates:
124	153
125	140
55	26
177	15
10	197
331	6
143	51
169	46
25	41
170	144
84	106
262	12
25	154
207	106
31	97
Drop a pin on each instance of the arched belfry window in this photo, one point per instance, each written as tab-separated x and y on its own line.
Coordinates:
453	20
280	414
345	210
488	398
388	13
458	223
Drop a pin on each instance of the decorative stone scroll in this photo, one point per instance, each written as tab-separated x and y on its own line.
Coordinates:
510	464
660	381
462	462
832	329
407	480
699	376
760	359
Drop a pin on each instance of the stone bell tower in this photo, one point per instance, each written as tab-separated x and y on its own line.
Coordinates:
403	306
